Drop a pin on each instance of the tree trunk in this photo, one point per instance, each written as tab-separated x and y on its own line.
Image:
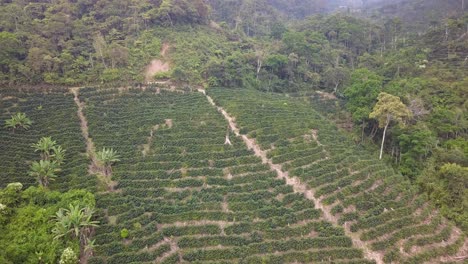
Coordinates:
373	131
446	32
108	170
383	138
259	67
16	24
170	19
336	87
102	59
45	182
362	131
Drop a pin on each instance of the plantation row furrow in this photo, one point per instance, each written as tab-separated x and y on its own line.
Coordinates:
362	192
195	195
53	114
288	257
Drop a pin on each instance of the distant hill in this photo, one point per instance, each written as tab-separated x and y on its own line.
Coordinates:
416	14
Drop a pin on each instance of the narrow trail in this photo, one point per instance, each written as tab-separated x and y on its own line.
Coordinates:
295	183
149	141
164	49
174	250
90	149
93	168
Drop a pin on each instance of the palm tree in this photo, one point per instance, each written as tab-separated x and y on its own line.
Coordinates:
106	158
45	171
45	145
18	120
76	221
58	154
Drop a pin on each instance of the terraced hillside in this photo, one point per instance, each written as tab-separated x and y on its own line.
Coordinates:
373	203
231	176
188	191
53	114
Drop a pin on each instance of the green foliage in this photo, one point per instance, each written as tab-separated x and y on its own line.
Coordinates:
188	175
74	221
184	179
362	93
93	47
107	156
446	187
18	120
54	115
44	171
45	145
26	236
124	233
389	108
68	257
416	144
366	195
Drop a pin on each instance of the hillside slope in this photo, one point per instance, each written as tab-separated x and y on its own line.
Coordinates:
189	191
417	15
366	196
53	114
261	178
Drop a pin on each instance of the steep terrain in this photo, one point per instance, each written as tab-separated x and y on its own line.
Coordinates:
193	197
282	185
372	202
417	15
53	113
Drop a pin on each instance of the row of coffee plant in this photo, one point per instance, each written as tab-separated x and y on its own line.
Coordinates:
189	190
365	194
51	114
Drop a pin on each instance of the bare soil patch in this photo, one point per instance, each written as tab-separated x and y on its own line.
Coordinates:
326	96
6	98
158	65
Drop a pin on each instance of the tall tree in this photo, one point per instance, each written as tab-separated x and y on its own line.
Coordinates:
362	94
389	108
336	76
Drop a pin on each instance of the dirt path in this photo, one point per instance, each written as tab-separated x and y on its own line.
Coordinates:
149	141
296	184
94	168
168	123
174	249
90	149
164	49
462	254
